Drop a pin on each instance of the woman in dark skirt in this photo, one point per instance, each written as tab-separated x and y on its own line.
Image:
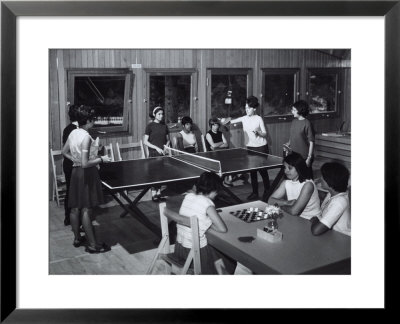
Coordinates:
155	137
85	191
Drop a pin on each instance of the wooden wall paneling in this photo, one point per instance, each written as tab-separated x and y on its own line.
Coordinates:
54	111
188	61
347	100
62	93
96	58
101	55
117	58
72	60
78	58
90	60
107	59
84	58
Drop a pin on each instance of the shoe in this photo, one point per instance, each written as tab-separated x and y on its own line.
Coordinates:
67	221
80	242
228	184
253	196
98	249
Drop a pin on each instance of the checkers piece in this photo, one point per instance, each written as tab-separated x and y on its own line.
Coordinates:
249	215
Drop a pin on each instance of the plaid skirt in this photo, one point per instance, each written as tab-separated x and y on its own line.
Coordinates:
85	189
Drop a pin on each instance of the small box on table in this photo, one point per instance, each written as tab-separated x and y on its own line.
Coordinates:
272	237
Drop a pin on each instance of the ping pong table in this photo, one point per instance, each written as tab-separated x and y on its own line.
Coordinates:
118	177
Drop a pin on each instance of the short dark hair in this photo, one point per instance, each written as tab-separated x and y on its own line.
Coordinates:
302	108
336	176
213	121
72	112
83	114
187	120
252	102
208	182
296	160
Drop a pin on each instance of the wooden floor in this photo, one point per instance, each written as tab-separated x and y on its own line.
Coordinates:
132	244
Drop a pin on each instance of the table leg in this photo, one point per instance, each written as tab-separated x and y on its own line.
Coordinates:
274	184
232	195
137	199
140	216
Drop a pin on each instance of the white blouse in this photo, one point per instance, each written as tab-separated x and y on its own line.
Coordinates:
75	140
293	189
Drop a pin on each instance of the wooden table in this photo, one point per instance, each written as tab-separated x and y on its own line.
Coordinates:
299	252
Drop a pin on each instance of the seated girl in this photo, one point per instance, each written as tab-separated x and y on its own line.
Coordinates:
200	203
215	139
297	195
336	206
186	139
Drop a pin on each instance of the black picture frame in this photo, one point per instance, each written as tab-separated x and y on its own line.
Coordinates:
10	10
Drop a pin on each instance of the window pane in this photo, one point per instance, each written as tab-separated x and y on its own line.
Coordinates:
228	95
279	93
322	92
172	92
105	94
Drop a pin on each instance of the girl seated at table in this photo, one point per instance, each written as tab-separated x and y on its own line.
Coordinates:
298	195
186	139
215	140
200	203
336	205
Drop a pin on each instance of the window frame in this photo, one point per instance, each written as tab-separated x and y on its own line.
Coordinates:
193	73
296	72
227	71
338	95
125	128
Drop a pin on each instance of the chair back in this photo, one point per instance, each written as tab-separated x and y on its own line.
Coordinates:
174	143
164	248
129	146
59	183
109	151
203	142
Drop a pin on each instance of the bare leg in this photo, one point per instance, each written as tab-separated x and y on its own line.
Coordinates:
74	217
88	227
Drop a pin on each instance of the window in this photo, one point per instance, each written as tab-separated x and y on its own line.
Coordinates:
280	89
323	90
227	90
172	90
108	91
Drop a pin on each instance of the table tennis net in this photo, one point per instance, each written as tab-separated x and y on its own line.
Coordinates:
195	160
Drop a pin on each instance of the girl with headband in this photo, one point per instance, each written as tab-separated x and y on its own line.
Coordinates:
155	137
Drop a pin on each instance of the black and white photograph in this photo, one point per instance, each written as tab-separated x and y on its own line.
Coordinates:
200	161
162	160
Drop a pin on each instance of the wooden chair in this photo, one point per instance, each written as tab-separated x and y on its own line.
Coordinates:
164	249
128	147
59	183
203	142
174	143
109	151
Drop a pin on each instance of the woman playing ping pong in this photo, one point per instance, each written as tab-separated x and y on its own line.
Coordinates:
85	191
297	195
155	137
256	140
